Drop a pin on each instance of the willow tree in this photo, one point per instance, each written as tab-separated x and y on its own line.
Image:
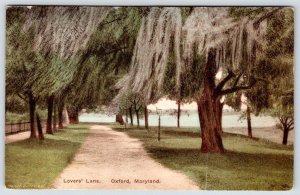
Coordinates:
56	34
173	91
21	61
208	41
104	60
274	94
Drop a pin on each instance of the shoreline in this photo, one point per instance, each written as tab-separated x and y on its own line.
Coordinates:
267	133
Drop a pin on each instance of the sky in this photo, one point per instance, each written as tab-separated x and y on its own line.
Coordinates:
166	104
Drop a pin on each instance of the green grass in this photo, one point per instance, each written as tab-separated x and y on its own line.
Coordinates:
248	164
36	164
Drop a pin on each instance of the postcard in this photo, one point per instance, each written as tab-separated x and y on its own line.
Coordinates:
149	98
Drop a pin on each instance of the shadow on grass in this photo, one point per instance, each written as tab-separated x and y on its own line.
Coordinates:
182	133
232	170
35	164
248	164
193	157
47	144
272	145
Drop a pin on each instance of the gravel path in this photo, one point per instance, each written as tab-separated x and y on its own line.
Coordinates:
112	160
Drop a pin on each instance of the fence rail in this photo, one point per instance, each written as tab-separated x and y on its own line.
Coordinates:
14	128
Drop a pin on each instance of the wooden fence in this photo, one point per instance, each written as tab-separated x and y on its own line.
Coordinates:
14	128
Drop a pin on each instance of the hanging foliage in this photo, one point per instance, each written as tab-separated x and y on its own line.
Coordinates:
63	30
237	43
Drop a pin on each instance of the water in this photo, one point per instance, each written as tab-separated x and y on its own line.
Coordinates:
186	120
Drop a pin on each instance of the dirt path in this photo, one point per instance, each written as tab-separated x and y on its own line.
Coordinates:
17	137
108	159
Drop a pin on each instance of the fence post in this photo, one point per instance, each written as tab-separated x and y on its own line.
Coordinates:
20	129
11	128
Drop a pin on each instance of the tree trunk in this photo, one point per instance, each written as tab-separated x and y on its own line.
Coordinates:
73	115
54	116
32	113
60	115
50	112
249	122
126	116
219	109
137	117
285	136
178	114
131	117
210	130
66	118
119	119
209	111
39	127
146	117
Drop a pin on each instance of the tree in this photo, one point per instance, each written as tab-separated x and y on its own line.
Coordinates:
137	105
281	39
146	116
249	121
208	40
60	109
21	62
50	101
45	58
104	60
60	61
39	127
130	115
134	103
282	98
54	27
55	115
274	95
255	99
170	86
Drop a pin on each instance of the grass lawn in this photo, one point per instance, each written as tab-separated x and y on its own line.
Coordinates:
36	164
248	164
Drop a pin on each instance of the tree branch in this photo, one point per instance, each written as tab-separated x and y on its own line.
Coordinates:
265	16
237	80
281	119
290	124
140	107
22	97
237	88
109	22
285	121
223	82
